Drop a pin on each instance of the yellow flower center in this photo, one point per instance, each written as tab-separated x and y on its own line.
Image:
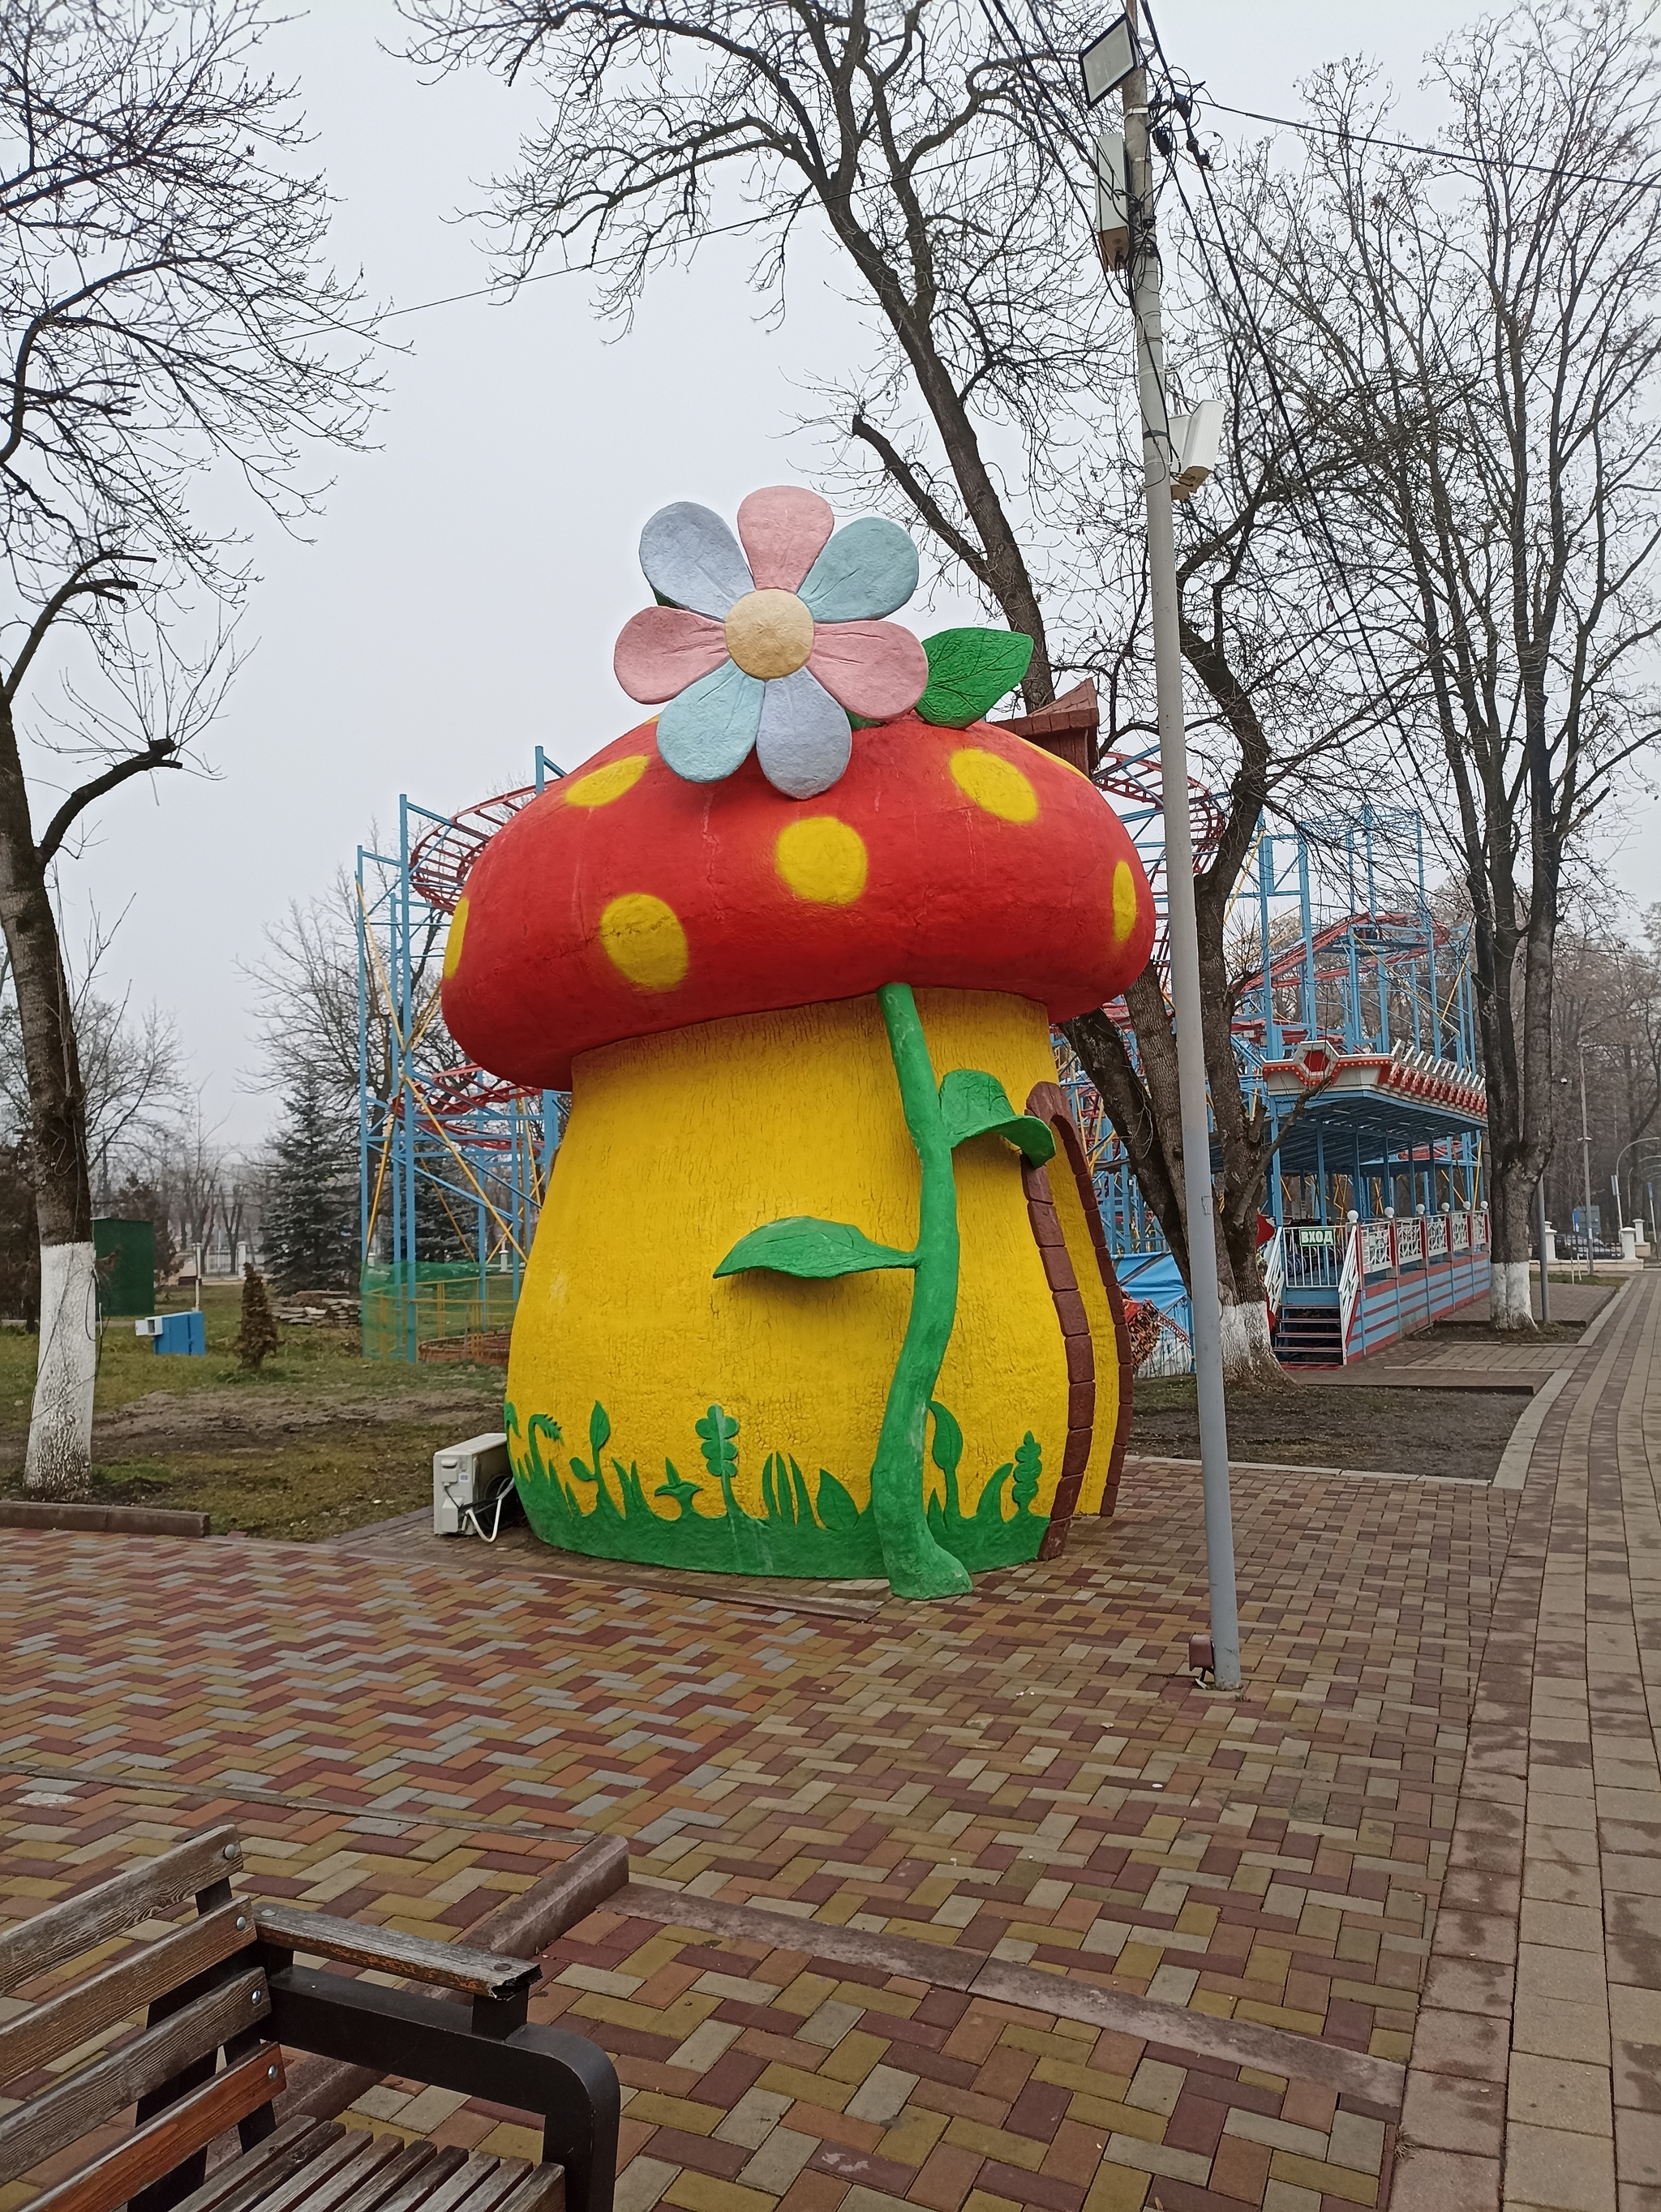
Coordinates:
770	634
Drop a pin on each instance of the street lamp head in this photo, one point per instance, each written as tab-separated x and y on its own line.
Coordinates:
1107	61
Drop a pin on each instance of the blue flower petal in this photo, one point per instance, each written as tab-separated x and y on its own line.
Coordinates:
707	731
693	558
805	738
867	569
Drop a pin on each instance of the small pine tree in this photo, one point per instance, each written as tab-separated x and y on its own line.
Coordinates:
310	1226
258	1337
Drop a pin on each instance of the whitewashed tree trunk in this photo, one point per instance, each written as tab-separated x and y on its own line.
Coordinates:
1509	1303
58	1463
1248	1350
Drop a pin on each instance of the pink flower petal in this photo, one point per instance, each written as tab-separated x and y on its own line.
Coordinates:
874	669
663	649
783	530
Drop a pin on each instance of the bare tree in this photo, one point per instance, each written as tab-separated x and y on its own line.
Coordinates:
935	155
1606	999
305	987
164	308
901	131
306	995
187	1168
1278	713
1496	327
207	1194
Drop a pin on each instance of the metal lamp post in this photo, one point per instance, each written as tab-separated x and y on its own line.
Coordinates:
1585	1164
1113	61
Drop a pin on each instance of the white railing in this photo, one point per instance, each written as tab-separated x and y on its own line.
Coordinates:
1272	1259
1409	1243
1376	1257
1479	1232
1349	1289
1460	1225
1436	1237
1310	1257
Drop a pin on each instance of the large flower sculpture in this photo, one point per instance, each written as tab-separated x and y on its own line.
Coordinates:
772	639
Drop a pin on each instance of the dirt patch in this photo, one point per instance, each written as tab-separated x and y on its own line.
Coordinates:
159	1422
1461	1433
1502	1339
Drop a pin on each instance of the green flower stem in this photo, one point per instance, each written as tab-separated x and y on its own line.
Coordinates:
918	1566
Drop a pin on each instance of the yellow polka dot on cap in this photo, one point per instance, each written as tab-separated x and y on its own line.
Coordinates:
993	783
642	937
822	859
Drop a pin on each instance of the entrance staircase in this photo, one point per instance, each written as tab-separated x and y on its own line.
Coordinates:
1309	1336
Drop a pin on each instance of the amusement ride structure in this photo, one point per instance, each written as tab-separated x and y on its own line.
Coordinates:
453	1162
1353	1025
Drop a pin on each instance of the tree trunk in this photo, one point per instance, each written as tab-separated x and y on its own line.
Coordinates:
59	1458
1510	1225
1145	1111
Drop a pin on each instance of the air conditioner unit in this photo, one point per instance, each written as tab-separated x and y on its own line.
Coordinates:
471	1484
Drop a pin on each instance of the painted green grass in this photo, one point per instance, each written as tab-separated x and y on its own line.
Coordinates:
809	1525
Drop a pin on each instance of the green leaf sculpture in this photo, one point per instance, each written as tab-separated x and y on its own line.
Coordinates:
716	1434
975	1104
800	1245
1029	1471
945	1451
837	1509
969	671
600	1432
938	1116
676	1485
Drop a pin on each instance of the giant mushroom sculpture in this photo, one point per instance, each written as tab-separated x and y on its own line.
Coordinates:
799	1229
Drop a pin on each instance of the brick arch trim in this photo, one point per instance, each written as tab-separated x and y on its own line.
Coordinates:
1050	1103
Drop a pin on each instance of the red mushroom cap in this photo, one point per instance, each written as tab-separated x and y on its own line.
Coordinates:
625	901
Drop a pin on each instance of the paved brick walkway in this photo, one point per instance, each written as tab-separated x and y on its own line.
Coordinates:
976	1906
1535	2076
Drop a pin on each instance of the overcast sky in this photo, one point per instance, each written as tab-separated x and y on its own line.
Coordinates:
459	599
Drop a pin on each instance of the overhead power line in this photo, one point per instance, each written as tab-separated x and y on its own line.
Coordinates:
1265	358
506	290
1312	129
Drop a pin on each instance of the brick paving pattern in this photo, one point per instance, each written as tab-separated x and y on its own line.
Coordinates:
1536	2075
982	1904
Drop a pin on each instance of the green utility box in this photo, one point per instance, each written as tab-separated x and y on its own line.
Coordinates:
126	1266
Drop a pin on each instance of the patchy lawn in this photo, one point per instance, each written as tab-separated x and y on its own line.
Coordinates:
319	1441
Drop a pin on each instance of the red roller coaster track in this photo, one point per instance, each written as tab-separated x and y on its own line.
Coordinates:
439	863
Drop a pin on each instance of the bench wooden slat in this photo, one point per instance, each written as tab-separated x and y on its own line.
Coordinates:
241	2180
409	2164
543	2190
479	2185
152	2152
418	2190
326	2148
326	2186
36	2038
85	2099
491	2195
449	1966
33	1946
